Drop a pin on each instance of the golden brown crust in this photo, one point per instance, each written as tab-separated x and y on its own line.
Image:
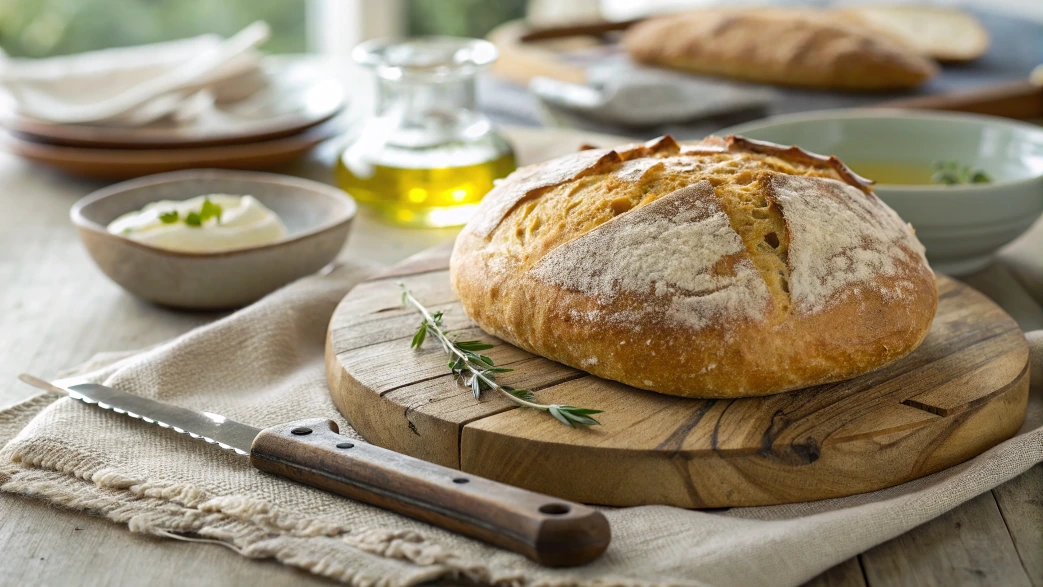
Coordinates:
779	46
727	268
798	155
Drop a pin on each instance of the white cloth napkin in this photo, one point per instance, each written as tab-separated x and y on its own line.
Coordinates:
132	86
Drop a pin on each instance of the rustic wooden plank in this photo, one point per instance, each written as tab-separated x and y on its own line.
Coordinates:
1021	502
966	546
846	574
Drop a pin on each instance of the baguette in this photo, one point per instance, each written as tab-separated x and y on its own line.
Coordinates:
778	46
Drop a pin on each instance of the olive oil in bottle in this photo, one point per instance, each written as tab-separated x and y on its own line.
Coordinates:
427	156
440	195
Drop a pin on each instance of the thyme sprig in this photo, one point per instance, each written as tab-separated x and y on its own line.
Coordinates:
479	371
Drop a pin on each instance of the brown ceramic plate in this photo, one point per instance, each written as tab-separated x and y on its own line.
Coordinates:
300	95
317	216
128	163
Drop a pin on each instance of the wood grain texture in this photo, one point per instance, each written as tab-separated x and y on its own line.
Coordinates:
1020	502
963	391
548	530
972	542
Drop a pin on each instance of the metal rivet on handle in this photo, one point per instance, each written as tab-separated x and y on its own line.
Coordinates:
300	431
345	445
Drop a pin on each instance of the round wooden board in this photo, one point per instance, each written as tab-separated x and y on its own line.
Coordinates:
963	391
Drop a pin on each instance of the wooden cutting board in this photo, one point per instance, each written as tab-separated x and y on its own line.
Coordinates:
963	391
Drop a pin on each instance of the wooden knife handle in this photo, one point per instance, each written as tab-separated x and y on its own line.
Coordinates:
550	531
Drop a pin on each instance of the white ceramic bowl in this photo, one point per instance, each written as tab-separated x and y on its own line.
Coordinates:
317	216
961	226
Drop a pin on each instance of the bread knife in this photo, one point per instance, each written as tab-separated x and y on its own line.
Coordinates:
550	531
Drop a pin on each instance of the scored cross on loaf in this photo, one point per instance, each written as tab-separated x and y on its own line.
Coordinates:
725	268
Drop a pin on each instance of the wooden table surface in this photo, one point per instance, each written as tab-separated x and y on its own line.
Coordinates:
57	310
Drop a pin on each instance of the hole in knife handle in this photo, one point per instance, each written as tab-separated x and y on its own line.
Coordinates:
461	480
554	509
301	431
345	445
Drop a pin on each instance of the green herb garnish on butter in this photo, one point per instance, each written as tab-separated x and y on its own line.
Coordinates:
206	212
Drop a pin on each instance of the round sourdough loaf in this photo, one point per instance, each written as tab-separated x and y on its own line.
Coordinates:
726	268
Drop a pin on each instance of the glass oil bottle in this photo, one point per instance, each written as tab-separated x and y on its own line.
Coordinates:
427	156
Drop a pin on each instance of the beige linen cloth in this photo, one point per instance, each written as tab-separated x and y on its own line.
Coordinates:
264	366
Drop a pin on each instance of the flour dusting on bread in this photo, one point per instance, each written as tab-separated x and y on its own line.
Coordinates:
840	237
680	250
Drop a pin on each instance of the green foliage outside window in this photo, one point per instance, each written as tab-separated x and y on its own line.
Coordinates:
461	18
39	28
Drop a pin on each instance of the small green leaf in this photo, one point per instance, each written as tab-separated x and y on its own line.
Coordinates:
193	219
524	394
210	210
579	416
473	345
418	338
168	217
582	420
583	411
559	416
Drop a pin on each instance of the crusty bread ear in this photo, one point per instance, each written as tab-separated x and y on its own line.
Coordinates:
945	34
797	47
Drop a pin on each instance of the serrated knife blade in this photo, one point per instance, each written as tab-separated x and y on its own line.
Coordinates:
549	530
209	427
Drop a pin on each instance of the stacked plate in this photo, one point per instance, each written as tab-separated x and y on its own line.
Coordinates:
292	114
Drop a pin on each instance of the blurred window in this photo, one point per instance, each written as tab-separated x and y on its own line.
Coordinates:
39	28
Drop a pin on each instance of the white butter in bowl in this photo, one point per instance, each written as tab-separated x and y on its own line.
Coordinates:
204	224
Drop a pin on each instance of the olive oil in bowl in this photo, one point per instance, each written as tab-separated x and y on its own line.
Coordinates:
893	173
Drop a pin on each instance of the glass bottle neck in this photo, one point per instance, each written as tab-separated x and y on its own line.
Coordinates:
418	99
427	113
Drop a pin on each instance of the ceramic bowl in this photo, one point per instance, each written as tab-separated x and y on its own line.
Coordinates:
961	226
317	216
